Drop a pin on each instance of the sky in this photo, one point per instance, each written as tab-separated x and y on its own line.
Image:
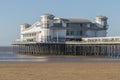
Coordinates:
13	13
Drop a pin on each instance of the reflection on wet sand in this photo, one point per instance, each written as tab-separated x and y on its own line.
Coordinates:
14	57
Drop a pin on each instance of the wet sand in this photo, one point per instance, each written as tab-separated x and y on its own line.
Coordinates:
59	70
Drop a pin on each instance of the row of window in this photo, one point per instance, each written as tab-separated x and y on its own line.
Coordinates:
77	25
30	40
74	33
29	35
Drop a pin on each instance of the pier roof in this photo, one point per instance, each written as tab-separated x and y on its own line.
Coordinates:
78	20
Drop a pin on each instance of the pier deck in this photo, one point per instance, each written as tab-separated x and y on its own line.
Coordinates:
111	49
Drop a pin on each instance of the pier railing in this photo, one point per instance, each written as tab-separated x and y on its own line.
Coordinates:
64	42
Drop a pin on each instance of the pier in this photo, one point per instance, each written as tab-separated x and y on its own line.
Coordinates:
73	48
67	36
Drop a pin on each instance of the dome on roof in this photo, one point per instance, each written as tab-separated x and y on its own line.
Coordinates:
48	15
25	25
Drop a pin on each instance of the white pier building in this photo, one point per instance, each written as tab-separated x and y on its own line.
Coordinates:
67	36
52	28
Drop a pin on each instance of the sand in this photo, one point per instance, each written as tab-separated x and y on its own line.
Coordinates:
60	71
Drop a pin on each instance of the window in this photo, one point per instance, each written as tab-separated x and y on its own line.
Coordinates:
88	25
81	33
67	32
81	24
71	32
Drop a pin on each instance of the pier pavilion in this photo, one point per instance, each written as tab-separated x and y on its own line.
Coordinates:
67	36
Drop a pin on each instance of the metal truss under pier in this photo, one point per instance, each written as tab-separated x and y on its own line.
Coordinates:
74	49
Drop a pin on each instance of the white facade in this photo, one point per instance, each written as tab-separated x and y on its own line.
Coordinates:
51	28
101	21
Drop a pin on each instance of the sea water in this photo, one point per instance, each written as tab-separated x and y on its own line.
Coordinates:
10	56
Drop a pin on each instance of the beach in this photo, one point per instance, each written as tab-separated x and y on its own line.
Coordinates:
59	70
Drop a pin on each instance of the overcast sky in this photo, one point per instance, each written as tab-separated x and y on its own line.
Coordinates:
16	12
